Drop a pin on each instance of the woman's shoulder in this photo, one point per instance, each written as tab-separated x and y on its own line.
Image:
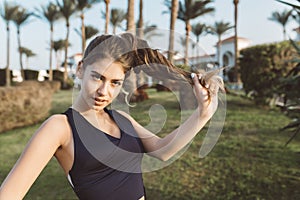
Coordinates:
58	125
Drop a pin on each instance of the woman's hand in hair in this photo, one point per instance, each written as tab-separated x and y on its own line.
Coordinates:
206	95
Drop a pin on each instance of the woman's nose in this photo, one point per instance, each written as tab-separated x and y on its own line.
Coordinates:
102	89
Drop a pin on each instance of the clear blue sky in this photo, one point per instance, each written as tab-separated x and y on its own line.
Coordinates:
253	24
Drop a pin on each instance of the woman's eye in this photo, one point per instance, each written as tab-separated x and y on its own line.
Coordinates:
97	77
116	83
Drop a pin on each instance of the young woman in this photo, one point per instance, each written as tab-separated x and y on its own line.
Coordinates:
100	150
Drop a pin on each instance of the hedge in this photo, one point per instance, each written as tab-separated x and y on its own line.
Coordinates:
24	104
263	66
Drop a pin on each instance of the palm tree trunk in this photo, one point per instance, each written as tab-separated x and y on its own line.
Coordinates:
132	79
141	21
187	36
66	56
236	52
219	51
83	37
50	57
20	54
107	2
172	28
8	82
114	29
130	16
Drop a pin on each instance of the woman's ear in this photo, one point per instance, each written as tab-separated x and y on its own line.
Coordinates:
79	70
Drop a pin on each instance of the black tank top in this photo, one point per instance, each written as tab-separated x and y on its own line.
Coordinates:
105	167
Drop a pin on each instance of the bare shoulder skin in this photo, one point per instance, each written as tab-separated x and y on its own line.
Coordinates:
53	135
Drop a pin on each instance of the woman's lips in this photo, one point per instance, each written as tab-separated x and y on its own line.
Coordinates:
99	101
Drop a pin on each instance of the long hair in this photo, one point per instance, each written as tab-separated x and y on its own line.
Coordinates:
135	54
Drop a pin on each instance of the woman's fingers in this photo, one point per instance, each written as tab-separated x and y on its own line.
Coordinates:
202	93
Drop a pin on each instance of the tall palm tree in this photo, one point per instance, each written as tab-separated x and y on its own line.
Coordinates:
107	2
282	18
130	16
198	30
219	28
173	7
140	24
67	9
82	5
236	51
90	31
49	13
296	8
150	31
7	13
117	16
20	18
132	80
189	10
58	45
28	53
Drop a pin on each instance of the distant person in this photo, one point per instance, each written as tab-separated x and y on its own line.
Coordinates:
101	149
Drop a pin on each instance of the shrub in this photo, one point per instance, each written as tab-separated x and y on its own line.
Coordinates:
52	85
3	77
31	74
263	66
24	104
59	76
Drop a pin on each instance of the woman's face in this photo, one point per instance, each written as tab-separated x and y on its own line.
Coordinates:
101	83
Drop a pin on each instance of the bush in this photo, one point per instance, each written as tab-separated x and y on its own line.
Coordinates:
263	66
24	105
54	86
3	77
59	76
31	74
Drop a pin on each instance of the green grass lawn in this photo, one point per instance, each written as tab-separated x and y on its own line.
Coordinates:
249	161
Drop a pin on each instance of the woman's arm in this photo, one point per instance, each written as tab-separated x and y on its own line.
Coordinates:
164	148
34	158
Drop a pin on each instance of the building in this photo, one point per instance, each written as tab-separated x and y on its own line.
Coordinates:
224	58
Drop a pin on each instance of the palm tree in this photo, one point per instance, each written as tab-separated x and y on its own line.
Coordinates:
82	5
20	18
173	7
150	31
28	53
117	16
67	8
90	31
7	13
130	16
219	28
189	10
107	2
282	18
236	51
49	13
198	30
58	45
140	24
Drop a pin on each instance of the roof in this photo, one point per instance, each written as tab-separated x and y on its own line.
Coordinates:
231	39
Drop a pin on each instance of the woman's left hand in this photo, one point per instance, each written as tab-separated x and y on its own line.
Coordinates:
207	102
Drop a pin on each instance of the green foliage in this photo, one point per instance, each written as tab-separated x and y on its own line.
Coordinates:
289	89
263	66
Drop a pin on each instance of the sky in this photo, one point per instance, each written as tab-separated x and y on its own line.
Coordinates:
253	24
